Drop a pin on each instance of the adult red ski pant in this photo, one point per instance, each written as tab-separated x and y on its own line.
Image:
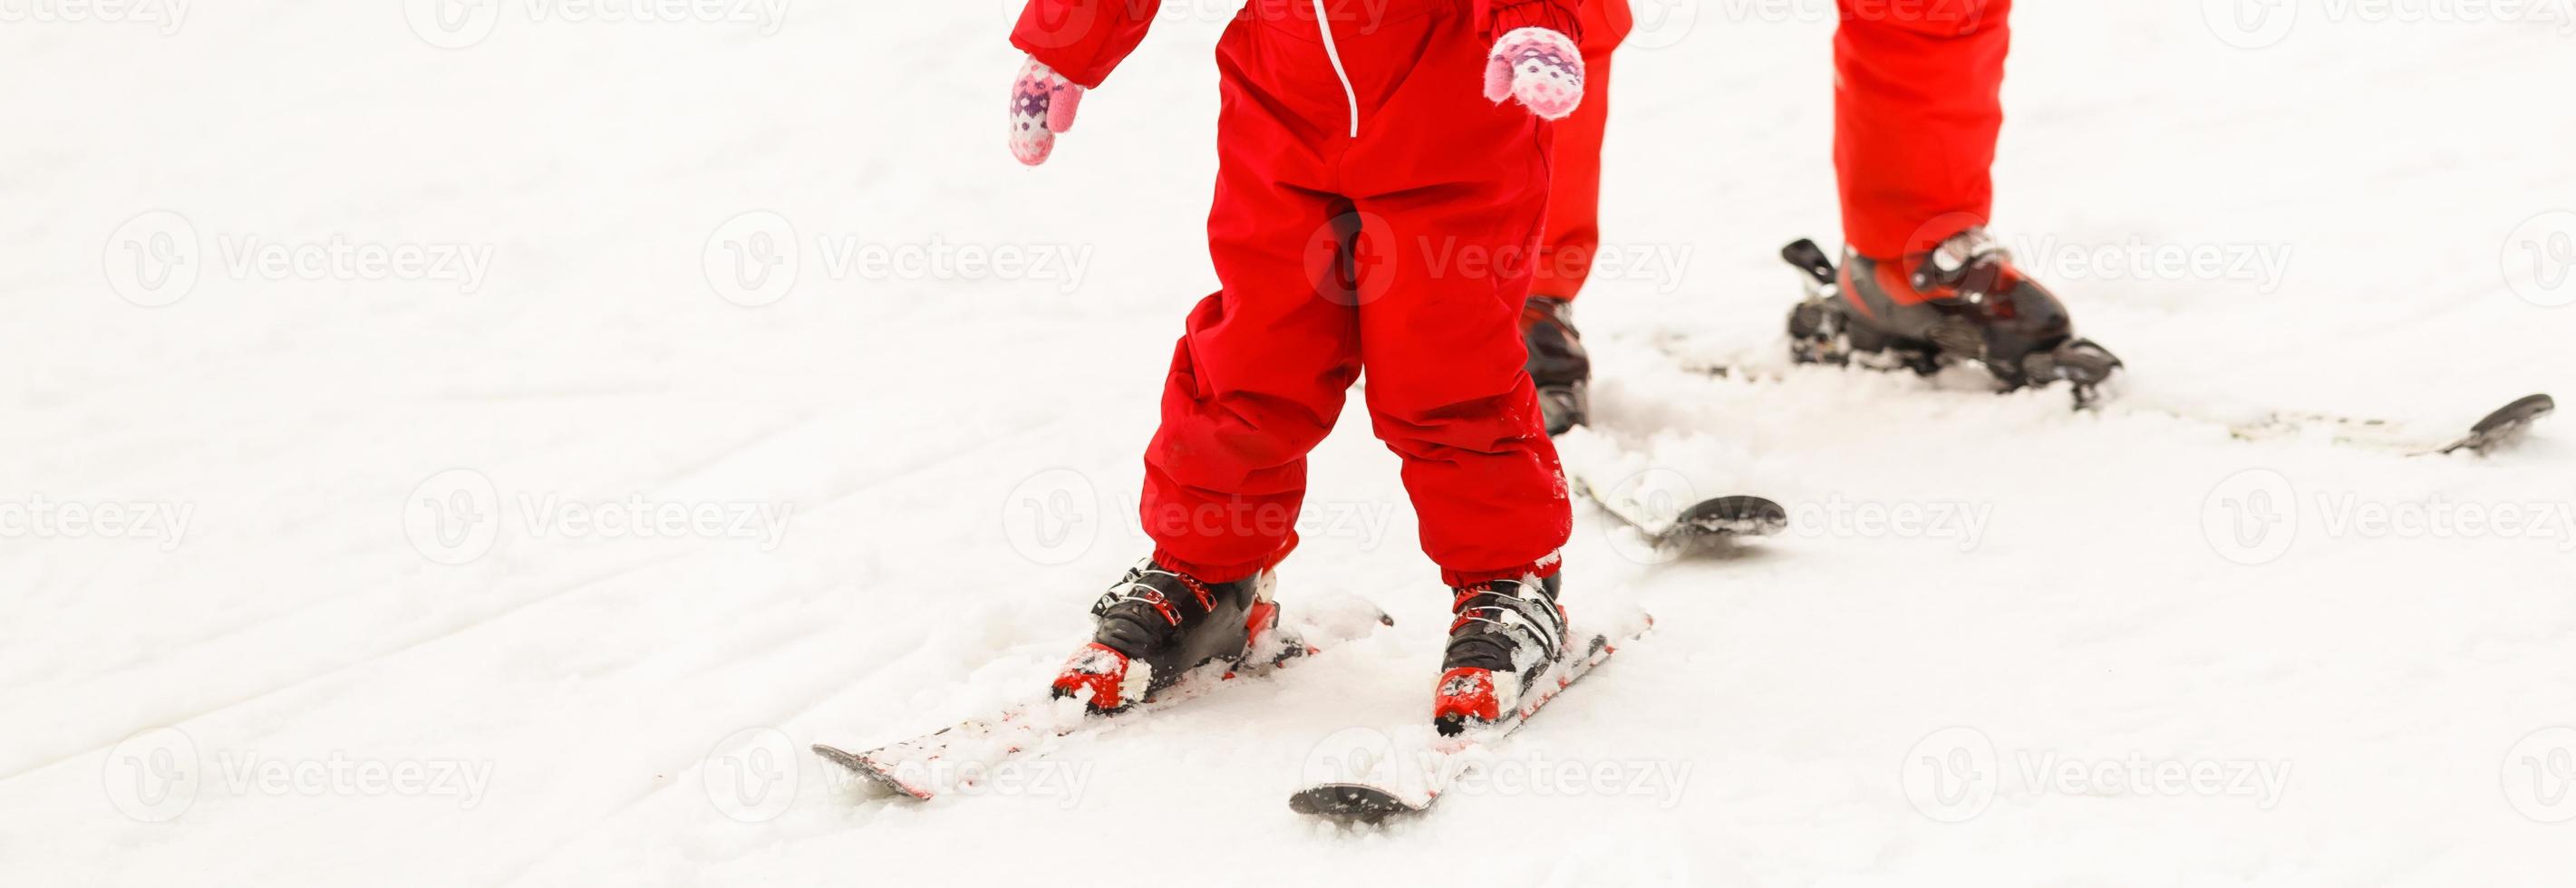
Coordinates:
1917	106
1388	230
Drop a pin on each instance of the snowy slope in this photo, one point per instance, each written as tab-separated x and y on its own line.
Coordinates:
913	477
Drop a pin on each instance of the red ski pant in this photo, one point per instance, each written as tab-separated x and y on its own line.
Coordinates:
1917	105
1573	237
1404	253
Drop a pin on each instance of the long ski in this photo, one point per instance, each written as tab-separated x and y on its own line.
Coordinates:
953	758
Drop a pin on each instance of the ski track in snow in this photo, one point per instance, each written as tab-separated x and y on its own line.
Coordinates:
615	689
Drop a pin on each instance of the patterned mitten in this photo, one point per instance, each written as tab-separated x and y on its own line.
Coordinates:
1540	67
1042	104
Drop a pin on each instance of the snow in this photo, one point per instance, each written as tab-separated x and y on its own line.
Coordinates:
725	519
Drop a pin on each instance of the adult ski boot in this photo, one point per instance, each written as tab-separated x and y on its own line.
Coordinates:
1962	301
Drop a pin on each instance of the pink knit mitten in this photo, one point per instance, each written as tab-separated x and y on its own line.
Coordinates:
1540	67
1042	104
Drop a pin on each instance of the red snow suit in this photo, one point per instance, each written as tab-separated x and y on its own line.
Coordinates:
1917	105
1385	223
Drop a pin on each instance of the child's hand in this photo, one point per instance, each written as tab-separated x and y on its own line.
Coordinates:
1042	105
1540	67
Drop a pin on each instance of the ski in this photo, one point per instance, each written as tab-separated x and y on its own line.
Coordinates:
951	758
1715	521
2501	428
1385	791
2498	430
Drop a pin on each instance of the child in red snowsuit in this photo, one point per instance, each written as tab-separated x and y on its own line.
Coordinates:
1383	178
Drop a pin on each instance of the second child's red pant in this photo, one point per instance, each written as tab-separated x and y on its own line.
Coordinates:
1917	107
1402	253
1917	104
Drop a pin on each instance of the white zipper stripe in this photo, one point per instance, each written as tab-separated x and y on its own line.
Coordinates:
1333	51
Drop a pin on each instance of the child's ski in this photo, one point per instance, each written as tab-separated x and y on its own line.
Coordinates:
955	757
1381	794
1725	518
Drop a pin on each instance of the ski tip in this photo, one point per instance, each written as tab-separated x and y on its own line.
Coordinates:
1351	804
2505	426
1735	516
859	765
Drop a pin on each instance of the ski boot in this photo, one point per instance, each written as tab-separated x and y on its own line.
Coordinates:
1557	363
1157	625
1509	635
1963	300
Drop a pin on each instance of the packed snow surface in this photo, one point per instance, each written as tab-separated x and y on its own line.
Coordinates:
486	450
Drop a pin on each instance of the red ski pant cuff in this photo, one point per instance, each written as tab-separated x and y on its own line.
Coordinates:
1224	573
1542	569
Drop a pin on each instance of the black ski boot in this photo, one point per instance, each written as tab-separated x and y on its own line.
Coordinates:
1509	635
1158	624
1557	363
1963	300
